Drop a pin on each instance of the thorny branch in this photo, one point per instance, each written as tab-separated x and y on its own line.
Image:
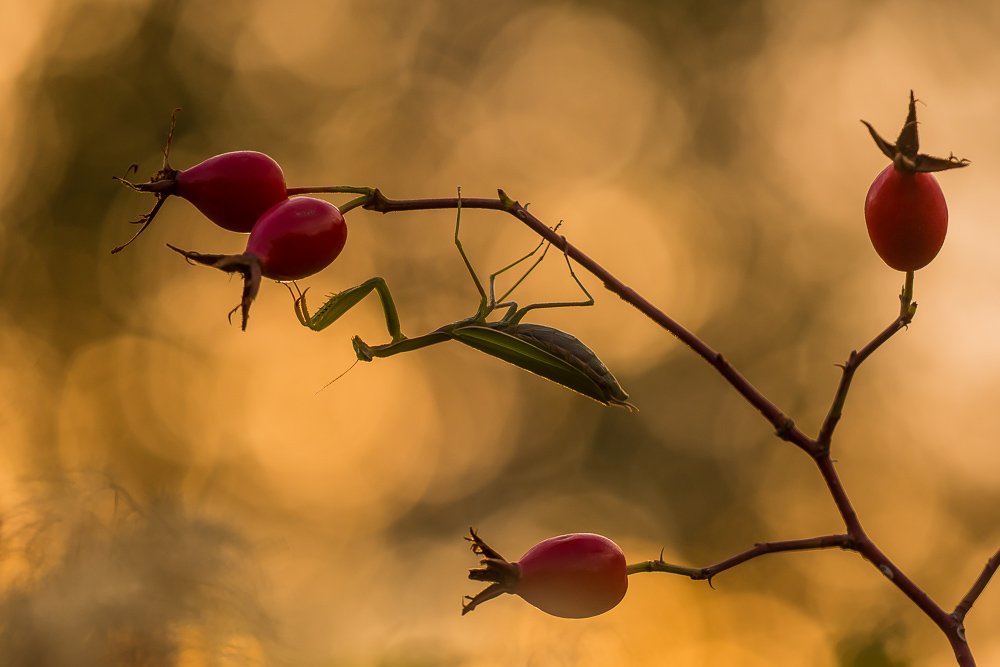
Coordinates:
855	539
707	573
977	588
783	426
907	310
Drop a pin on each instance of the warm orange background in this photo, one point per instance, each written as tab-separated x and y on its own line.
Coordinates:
708	153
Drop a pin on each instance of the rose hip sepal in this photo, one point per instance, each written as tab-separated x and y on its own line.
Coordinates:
905	210
571	576
293	239
232	190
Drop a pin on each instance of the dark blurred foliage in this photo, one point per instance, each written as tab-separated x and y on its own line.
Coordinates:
115	582
869	652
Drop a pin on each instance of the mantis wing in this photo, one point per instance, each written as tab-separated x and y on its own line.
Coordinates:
523	353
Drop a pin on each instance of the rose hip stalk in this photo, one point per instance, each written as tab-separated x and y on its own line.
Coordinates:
232	190
571	576
294	239
905	210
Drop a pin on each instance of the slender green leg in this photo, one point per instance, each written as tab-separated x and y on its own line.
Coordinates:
499	303
487	305
340	303
484	308
514	318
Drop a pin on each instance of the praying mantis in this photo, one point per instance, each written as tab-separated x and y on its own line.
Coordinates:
545	351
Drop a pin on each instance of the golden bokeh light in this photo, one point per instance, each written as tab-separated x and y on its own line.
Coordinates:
174	491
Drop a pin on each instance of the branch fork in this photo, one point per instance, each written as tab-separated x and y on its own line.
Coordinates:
855	539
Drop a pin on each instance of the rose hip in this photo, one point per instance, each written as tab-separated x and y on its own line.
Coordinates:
907	218
293	239
905	210
571	576
232	190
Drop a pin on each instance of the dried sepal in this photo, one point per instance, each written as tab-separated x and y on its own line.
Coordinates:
500	574
905	153
247	265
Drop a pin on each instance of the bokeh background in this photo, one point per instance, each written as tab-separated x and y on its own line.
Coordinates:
176	492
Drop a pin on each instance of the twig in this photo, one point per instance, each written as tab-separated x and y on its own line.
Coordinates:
856	539
906	312
707	573
977	588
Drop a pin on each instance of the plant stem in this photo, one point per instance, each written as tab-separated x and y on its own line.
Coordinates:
907	296
354	203
856	539
861	543
659	565
907	310
977	588
706	573
330	190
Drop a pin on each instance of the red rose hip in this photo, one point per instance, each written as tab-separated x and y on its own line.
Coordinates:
297	238
232	190
907	218
293	239
571	576
905	210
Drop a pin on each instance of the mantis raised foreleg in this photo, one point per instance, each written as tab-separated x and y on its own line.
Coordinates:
545	351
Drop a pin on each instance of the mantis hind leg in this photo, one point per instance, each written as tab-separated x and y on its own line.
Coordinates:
515	317
500	302
488	304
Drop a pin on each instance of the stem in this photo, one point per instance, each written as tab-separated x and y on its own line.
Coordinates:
354	203
977	588
949	624
855	539
330	190
907	296
659	565
366	194
706	573
907	309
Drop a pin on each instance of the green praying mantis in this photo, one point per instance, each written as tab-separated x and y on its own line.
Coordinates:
544	351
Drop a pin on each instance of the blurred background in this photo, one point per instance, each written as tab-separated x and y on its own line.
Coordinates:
176	492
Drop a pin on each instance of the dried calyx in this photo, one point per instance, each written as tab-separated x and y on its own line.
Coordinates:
500	574
247	265
905	153
162	184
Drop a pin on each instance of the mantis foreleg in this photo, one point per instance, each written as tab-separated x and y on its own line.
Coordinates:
367	352
340	303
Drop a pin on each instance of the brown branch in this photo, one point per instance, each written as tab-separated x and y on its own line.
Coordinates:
907	310
977	588
809	544
856	539
707	573
949	624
